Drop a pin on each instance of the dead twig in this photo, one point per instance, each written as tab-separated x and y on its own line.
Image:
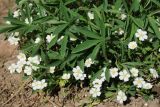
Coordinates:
20	88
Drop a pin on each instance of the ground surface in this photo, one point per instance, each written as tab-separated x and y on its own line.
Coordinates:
15	92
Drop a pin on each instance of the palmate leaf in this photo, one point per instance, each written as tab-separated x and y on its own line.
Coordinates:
85	45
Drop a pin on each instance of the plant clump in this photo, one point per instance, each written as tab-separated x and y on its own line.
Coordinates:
111	46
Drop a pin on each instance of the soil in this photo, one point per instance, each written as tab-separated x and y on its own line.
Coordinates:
17	92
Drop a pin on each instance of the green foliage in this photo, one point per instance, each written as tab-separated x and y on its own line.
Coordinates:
78	36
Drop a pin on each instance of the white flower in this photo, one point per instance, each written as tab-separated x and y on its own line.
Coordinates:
27	21
30	4
43	83
36	85
16	34
123	17
139	82
34	67
124	75
28	70
66	76
21	63
49	38
19	69
159	50
60	38
103	77
83	77
13	41
39	85
52	69
132	45
97	83
146	104
16	13
151	39
120	31
95	92
78	73
88	62
37	40
8	22
121	97
153	72
90	15
142	35
12	68
147	86
113	72
38	14
89	76
34	60
73	39
134	72
21	57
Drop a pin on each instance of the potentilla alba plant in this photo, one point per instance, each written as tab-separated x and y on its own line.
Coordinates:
110	46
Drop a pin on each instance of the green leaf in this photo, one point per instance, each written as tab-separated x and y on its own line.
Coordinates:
107	75
53	55
95	51
156	2
133	30
96	75
87	33
15	21
105	5
139	22
109	94
125	5
44	56
29	28
135	5
85	45
53	42
64	46
64	12
35	49
6	28
55	22
42	20
118	4
153	24
137	63
81	64
58	29
69	2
